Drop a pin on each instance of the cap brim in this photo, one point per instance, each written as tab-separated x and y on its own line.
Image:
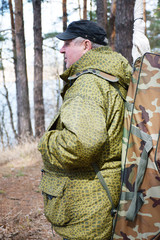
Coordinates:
66	36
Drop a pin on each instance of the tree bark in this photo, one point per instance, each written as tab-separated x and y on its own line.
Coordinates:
38	70
13	36
64	10
90	11
85	9
112	32
102	13
144	14
23	109
124	27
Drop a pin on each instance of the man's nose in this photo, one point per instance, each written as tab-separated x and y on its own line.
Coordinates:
62	49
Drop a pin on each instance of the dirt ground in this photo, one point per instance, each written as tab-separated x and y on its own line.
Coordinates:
21	202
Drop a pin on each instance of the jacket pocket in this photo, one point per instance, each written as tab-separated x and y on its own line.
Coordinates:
55	201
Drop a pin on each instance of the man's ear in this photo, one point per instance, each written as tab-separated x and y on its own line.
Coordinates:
87	45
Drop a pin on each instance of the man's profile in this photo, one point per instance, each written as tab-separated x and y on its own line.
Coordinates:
87	130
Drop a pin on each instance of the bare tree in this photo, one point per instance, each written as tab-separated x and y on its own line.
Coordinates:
124	27
23	109
3	131
38	70
6	95
102	13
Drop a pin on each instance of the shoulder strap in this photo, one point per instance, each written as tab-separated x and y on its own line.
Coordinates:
106	76
98	73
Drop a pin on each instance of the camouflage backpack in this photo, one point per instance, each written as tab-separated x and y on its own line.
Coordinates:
138	215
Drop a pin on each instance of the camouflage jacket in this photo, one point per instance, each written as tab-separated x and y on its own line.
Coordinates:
87	129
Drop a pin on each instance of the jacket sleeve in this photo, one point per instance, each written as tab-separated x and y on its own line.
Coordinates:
82	137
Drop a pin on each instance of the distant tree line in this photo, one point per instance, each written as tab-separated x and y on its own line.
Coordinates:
116	17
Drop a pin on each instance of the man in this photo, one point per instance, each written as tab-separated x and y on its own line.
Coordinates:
87	130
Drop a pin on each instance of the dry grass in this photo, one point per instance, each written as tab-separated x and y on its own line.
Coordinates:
20	153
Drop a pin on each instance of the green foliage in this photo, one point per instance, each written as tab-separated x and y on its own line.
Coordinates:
41	1
153	31
3	6
20	173
49	35
2	191
2	37
92	16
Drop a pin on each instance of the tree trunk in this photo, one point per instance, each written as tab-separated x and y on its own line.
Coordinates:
13	36
64	10
90	11
124	27
79	8
85	9
144	14
112	32
38	70
64	6
102	13
23	109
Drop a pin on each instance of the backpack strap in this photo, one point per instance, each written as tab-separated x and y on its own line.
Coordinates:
98	73
106	76
137	197
104	184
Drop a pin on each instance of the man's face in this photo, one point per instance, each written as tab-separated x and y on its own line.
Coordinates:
72	51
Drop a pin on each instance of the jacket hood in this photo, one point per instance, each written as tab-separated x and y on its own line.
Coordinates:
102	59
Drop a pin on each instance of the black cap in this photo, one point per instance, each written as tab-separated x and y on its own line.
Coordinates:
85	29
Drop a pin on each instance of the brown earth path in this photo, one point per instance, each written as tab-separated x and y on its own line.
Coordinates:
21	202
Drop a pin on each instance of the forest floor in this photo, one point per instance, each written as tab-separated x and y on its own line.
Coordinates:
21	202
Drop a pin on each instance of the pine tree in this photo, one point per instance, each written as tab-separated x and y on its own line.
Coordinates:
38	70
